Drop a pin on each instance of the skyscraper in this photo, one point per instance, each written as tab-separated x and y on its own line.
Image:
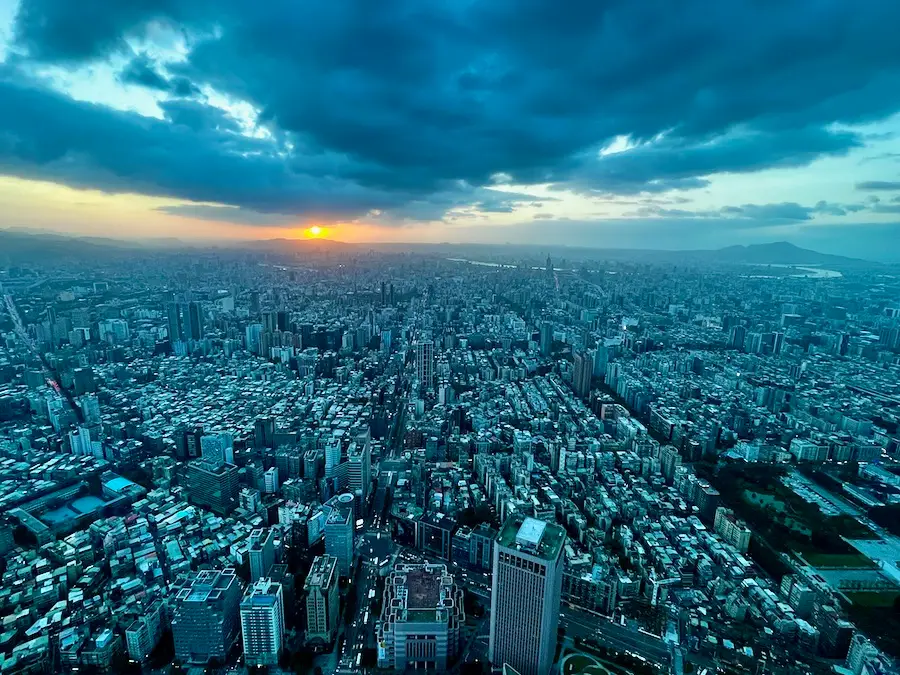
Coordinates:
322	600
527	585
261	552
205	615
174	322
192	315
214	486
339	532
359	470
262	623
546	338
425	362
582	371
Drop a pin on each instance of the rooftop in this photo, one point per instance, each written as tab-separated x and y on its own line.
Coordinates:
532	536
423	589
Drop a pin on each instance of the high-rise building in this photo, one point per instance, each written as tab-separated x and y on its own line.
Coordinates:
144	633
213	486
192	315
90	409
425	362
262	623
261	552
339	532
582	371
732	530
332	457
174	322
359	470
264	432
205	619
322	600
421	618
527	585
252	334
270	480
546	338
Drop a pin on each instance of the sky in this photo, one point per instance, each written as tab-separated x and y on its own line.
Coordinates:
600	123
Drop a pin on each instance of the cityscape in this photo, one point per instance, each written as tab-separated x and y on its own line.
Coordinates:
449	337
339	460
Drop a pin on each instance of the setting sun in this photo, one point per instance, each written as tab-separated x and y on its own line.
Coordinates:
314	231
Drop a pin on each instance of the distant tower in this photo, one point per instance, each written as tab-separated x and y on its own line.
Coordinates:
527	586
425	362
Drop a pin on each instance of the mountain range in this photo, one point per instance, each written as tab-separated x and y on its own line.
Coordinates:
20	246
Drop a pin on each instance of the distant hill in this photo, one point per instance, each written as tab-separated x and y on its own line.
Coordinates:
24	245
283	245
776	253
780	253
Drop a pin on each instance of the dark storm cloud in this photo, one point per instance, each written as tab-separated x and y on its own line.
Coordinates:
763	215
142	71
878	185
401	100
680	161
46	135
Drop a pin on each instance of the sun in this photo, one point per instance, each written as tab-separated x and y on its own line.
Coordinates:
314	232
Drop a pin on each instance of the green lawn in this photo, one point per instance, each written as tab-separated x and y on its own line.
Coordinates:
873	598
838	560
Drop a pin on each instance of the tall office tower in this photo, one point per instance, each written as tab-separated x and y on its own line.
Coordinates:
270	480
252	334
262	623
205	619
193	321
548	268
420	618
90	409
174	321
264	432
546	338
339	532
527	584
332	457
425	362
583	370
322	600
213	486
261	552
737	337
777	343
359	470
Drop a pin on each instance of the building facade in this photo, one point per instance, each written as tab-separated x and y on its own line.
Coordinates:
527	586
421	618
205	618
322	600
262	623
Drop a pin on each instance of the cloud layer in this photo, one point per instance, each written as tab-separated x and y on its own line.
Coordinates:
403	110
